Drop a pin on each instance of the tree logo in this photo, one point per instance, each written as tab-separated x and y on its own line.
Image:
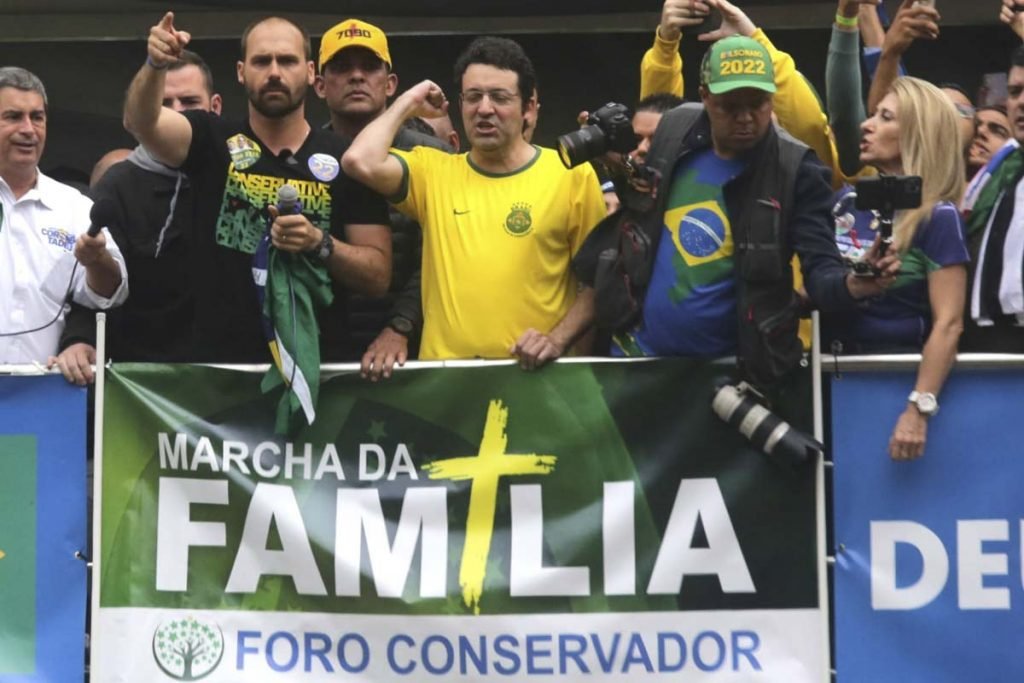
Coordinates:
187	649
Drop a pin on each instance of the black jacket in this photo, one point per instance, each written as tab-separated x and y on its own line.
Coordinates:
779	205
366	316
155	322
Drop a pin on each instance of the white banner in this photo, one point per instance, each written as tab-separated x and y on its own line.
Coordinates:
231	646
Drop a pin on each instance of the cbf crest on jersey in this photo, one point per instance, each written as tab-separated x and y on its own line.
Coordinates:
519	222
244	151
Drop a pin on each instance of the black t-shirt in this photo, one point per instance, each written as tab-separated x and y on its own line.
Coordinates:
234	178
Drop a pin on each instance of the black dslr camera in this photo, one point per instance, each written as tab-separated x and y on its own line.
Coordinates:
609	129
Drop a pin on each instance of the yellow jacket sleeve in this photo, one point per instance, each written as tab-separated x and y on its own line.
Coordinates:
662	68
799	110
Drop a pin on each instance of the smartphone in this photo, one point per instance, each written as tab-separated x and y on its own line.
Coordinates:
712	21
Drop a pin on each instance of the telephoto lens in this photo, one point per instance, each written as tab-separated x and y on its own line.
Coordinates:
580	146
610	128
736	405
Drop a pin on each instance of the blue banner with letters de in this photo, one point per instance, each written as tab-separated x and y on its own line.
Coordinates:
42	525
928	581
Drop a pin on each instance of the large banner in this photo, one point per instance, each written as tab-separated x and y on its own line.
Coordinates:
475	523
929	584
42	526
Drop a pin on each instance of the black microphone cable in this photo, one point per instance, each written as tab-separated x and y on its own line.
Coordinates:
68	295
101	214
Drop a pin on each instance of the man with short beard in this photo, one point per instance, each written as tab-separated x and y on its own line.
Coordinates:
236	170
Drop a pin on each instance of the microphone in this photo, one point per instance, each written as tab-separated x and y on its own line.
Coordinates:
103	213
288	200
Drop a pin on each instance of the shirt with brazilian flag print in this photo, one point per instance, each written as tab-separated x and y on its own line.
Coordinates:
690	305
901	318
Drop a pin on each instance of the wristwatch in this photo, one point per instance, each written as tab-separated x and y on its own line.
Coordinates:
925	402
401	325
324	250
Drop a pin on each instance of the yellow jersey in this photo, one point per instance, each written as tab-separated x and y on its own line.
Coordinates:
497	248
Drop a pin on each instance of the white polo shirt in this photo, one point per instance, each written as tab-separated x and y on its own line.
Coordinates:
37	242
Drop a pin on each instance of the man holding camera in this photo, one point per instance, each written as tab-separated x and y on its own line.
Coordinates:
500	223
734	198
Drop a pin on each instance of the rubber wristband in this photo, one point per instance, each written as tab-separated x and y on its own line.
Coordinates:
154	65
846	22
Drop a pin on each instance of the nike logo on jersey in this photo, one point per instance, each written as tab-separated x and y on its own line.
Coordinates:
461	213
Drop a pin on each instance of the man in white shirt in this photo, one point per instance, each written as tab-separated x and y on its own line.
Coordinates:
46	257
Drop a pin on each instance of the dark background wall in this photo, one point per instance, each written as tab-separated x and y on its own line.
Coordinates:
86	79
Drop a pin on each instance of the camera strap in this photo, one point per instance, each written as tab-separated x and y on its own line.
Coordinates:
667	147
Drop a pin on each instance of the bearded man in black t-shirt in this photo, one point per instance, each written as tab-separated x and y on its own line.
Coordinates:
236	170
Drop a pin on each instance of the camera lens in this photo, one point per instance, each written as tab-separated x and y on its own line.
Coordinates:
581	145
763	428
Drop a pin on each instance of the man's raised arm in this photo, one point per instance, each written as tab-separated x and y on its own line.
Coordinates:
368	161
163	131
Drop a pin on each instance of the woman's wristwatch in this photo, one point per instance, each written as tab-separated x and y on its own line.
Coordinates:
925	402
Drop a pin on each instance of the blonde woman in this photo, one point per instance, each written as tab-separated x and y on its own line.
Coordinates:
912	132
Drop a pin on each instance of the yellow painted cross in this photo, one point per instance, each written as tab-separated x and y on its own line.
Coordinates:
2	554
485	469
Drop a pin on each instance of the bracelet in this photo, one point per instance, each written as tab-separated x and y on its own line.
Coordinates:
846	22
153	65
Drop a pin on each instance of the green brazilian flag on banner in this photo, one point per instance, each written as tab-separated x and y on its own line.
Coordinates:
277	515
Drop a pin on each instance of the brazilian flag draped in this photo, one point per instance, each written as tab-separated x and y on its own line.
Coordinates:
291	289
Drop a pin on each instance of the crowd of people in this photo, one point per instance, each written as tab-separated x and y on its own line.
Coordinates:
731	218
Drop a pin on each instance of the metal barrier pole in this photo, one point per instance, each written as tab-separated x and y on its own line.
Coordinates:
97	460
824	555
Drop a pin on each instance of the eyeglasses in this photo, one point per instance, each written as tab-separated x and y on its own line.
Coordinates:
965	111
500	98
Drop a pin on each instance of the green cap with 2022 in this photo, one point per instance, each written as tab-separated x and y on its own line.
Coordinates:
737	62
